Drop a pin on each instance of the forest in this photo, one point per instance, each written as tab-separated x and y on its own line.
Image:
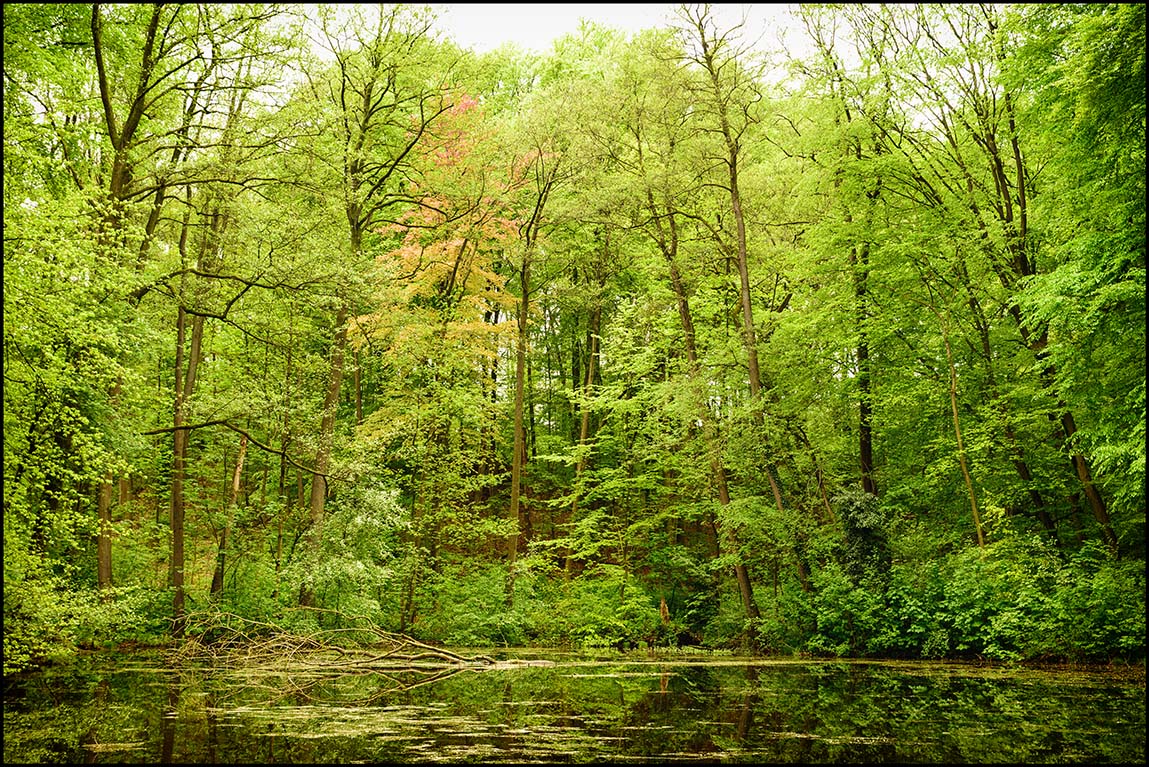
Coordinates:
314	319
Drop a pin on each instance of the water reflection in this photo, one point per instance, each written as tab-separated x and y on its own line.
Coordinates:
168	723
579	709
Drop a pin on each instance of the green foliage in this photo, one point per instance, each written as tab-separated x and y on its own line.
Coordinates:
466	607
354	561
866	551
45	621
1023	602
942	201
846	618
1016	601
601	608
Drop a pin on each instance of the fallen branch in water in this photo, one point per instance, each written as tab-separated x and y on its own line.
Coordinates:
229	640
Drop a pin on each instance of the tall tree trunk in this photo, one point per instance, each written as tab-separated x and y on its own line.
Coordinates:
358	390
749	335
185	386
669	247
104	520
185	381
860	262
326	439
1017	456
220	560
957	435
584	426
1096	503
519	457
104	537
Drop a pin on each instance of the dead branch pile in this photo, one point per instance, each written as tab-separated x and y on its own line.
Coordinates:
228	640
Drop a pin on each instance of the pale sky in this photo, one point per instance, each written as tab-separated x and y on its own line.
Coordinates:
535	26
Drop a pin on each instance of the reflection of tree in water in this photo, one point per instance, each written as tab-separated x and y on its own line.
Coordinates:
100	697
749	702
168	724
663	709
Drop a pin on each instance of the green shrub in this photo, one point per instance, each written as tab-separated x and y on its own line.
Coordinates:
913	626
1019	600
848	619
465	606
1097	611
45	622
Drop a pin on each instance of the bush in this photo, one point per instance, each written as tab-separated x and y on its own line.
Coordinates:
606	608
1018	599
355	560
914	625
847	618
1097	611
44	622
465	605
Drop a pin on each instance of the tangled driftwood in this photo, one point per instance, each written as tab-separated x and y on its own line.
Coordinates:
228	640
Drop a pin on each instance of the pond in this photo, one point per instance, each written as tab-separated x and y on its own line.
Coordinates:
547	707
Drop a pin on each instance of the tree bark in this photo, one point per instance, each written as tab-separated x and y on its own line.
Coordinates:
221	555
104	536
519	457
318	497
185	386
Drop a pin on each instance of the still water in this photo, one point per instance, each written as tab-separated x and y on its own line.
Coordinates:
576	707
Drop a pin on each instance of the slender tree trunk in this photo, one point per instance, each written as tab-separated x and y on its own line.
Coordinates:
326	439
865	428
532	444
104	537
750	343
185	381
286	498
667	239
220	560
544	177
1017	457
584	427
860	265
718	471
358	390
519	457
187	377
104	518
577	378
958	438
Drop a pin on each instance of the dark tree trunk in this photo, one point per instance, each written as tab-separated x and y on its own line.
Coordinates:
519	457
326	438
221	555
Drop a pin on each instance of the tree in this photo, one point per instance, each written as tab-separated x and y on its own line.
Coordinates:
377	104
535	171
731	93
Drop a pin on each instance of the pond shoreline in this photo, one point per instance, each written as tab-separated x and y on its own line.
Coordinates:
1132	670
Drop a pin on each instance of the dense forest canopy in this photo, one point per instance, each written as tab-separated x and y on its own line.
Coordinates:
310	314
